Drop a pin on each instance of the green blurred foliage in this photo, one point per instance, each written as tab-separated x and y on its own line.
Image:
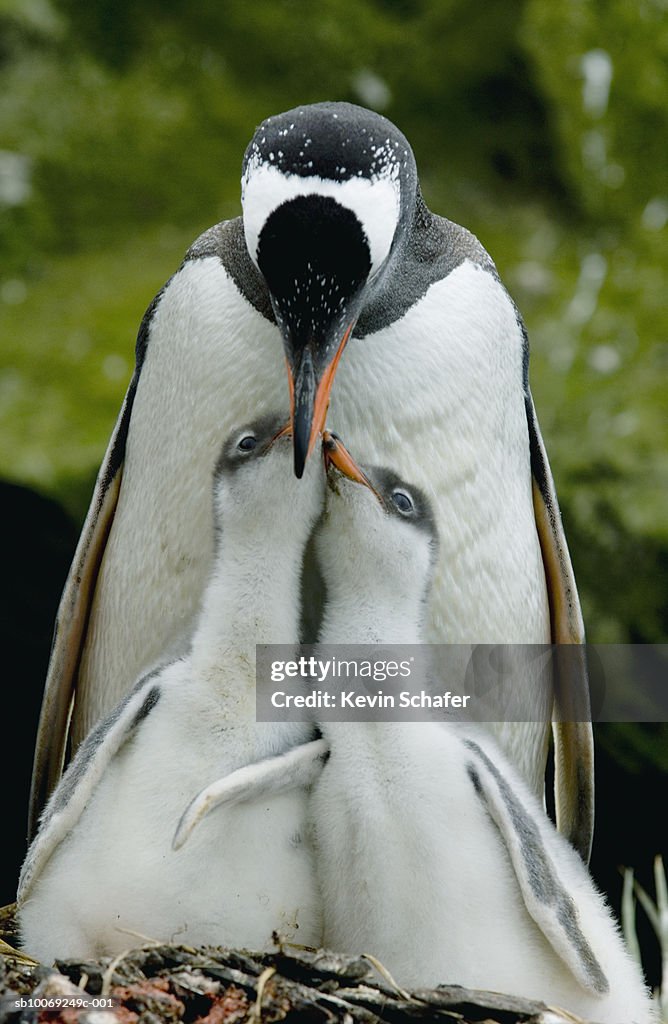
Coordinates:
540	124
603	67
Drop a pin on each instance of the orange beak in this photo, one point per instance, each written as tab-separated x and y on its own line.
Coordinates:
309	401
336	454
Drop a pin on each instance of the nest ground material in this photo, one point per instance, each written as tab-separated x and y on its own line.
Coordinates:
161	984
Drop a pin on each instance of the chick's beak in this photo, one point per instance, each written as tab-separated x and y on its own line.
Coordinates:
337	455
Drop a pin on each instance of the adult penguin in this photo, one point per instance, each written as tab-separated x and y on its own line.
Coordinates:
335	250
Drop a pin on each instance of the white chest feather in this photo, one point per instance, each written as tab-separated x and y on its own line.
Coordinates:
438	397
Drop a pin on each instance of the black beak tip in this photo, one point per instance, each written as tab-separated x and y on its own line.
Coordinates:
300	455
300	463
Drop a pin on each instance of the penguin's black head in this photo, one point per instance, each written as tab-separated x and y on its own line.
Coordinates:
328	192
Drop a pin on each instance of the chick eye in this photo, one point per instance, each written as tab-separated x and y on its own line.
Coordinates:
402	501
246	444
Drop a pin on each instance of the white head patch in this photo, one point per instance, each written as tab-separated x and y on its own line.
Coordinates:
374	201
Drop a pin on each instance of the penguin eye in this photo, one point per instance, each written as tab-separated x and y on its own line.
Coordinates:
247	443
402	501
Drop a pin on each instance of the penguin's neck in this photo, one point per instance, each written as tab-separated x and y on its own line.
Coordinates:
380	616
252	598
364	749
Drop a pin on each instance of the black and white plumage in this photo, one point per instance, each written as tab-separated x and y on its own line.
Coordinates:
431	852
335	250
102	870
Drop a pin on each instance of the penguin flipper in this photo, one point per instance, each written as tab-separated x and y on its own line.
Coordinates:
72	620
88	766
296	768
572	730
545	890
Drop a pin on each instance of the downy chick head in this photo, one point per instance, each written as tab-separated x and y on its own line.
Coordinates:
378	533
255	489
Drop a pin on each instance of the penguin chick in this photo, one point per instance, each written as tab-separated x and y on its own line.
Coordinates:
102	869
432	852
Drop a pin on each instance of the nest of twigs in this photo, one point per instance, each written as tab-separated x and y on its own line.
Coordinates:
213	985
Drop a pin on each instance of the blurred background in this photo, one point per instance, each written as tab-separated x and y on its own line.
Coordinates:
541	125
